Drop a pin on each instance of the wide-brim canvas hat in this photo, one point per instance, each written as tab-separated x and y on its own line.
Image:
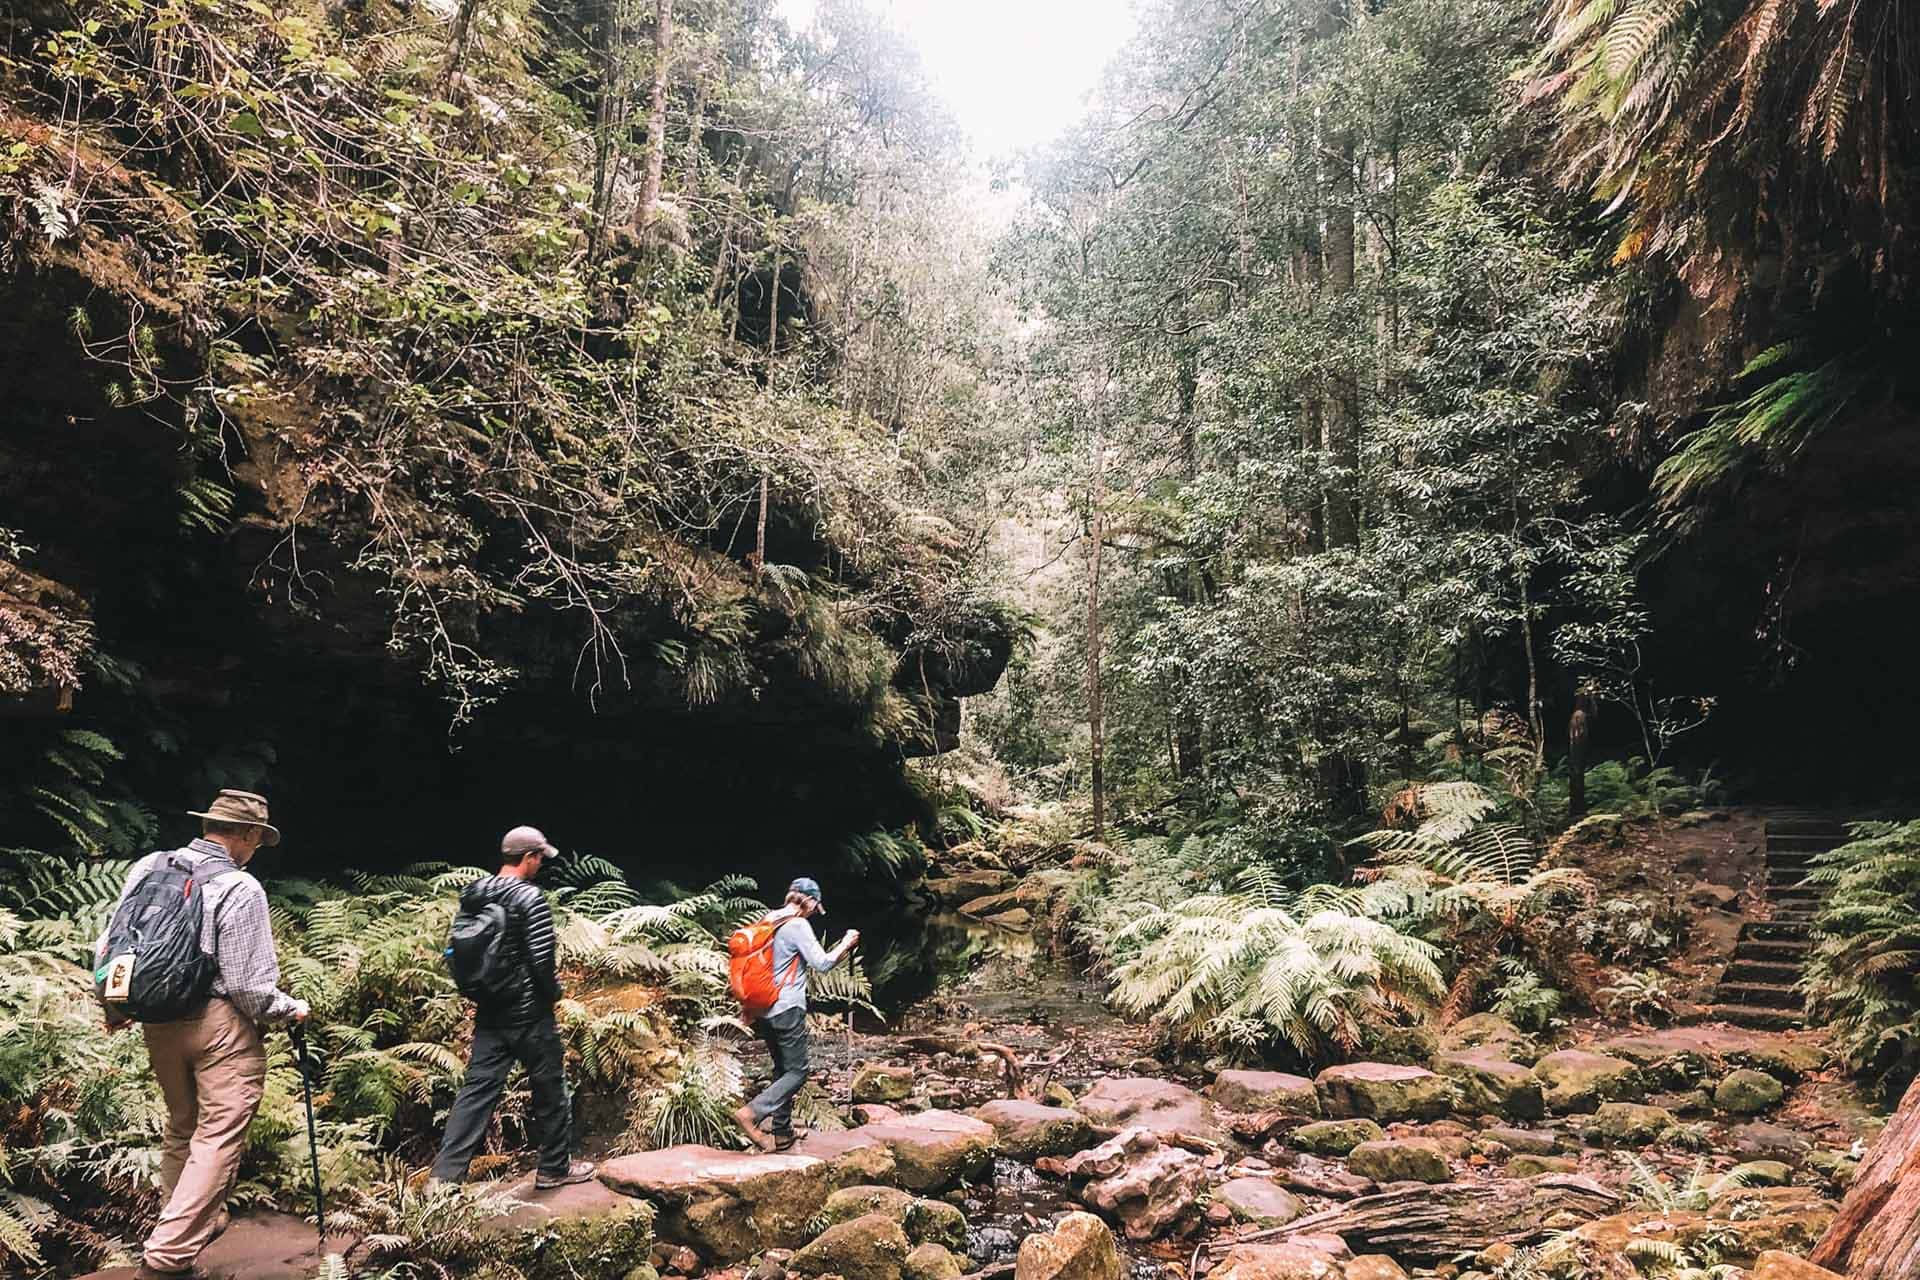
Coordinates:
242	807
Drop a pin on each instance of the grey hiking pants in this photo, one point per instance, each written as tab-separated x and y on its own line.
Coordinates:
785	1034
535	1046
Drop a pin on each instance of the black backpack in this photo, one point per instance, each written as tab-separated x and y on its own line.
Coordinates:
477	954
152	968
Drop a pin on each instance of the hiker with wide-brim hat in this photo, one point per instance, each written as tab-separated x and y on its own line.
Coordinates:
210	1059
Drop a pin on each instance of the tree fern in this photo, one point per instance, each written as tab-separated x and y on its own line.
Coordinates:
1313	980
1860	979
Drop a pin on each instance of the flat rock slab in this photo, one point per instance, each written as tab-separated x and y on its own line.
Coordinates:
926	1151
672	1170
1143	1102
1691	1051
1264	1091
1029	1130
258	1246
1383	1091
728	1204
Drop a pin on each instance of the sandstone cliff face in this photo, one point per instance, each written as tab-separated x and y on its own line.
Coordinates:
294	593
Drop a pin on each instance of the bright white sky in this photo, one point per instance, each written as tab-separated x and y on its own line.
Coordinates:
1014	72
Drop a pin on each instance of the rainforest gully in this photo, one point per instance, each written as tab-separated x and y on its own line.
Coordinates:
763	639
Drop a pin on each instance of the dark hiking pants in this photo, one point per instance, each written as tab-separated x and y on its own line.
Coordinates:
785	1034
535	1046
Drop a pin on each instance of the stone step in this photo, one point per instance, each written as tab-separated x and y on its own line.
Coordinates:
1777	843
1745	1016
1782	951
1787	878
1759	995
1804	822
1774	972
1778	930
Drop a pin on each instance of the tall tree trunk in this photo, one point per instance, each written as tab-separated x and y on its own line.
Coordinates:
773	318
460	36
609	117
1876	1235
656	114
1342	426
1096	704
722	259
1186	726
1579	724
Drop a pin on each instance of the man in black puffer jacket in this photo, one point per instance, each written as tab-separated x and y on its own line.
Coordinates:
514	1023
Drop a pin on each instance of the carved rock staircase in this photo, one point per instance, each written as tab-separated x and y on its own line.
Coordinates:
1757	989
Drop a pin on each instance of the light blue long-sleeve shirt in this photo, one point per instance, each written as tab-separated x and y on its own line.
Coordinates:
794	941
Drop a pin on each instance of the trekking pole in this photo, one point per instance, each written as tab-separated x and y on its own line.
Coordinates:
849	1053
313	1140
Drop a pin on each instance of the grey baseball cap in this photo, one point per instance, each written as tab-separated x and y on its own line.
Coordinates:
527	840
811	888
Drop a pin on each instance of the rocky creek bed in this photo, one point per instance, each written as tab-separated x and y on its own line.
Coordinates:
975	1135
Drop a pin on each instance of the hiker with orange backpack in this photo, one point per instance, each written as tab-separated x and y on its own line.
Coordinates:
770	961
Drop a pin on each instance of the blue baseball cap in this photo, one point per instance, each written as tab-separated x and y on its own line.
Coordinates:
810	887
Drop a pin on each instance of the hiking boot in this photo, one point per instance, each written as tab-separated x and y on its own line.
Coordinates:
755	1134
155	1273
220	1225
578	1171
784	1141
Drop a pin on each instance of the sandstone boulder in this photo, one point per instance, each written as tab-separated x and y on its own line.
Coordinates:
1492	1085
729	1204
966	886
1491	1032
1149	1186
1029	1130
1533	1166
872	1247
1533	1142
1335	1137
1629	1124
1775	1265
880	1082
1291	1261
1081	1247
1383	1091
1374	1266
927	1151
1577	1080
1143	1102
1400	1160
1264	1091
1257	1200
924	1221
933	1262
1762	1173
1747	1092
1758	1140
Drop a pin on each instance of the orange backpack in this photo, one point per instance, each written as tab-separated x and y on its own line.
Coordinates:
750	975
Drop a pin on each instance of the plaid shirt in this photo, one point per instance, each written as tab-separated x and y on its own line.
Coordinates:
234	929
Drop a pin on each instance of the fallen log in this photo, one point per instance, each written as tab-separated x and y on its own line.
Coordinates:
1876	1234
1438	1223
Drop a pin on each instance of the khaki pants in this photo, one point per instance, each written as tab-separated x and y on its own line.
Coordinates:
212	1069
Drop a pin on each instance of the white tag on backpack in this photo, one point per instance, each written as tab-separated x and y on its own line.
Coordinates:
119	977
